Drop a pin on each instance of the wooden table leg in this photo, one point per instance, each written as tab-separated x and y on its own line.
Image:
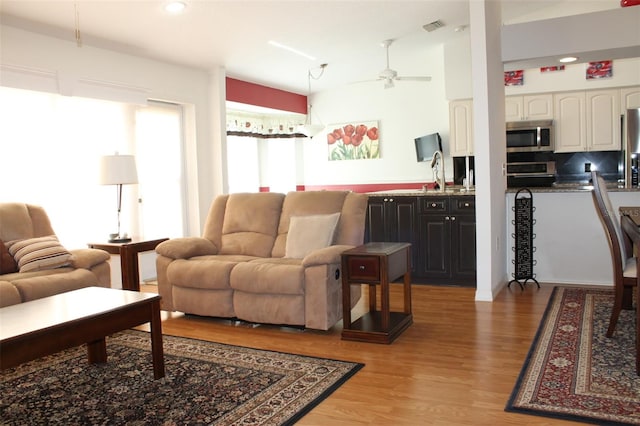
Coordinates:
157	350
97	351
130	269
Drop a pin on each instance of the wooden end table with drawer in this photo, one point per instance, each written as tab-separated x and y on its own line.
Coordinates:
376	264
129	258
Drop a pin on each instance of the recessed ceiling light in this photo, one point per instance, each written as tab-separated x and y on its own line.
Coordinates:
175	6
292	50
568	59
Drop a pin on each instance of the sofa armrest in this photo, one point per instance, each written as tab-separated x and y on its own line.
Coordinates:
88	258
325	256
186	247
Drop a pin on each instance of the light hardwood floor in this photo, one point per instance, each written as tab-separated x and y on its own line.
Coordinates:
456	365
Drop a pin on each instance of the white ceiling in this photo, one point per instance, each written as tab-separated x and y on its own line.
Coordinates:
234	34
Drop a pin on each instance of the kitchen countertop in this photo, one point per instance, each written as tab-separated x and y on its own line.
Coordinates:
573	188
451	190
461	190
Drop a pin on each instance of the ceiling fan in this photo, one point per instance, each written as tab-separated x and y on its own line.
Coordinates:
388	75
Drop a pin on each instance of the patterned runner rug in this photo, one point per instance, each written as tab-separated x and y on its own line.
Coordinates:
573	371
206	384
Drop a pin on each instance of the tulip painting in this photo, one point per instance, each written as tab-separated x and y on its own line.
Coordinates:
358	141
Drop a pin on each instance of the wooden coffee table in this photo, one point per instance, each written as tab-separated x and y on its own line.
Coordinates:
45	326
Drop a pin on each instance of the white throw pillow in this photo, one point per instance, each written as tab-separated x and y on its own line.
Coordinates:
309	233
35	254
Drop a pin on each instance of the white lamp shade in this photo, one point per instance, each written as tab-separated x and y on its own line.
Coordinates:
118	170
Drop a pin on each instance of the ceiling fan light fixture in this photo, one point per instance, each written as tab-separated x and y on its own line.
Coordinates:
432	26
310	130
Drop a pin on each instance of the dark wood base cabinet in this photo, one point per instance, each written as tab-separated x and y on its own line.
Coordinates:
441	230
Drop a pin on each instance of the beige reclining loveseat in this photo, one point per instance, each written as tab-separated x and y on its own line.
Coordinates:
266	258
28	225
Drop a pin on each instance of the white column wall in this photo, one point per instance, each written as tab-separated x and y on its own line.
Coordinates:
489	140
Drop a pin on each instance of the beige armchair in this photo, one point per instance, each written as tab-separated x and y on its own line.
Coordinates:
40	275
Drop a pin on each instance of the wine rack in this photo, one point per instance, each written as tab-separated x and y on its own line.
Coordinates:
523	239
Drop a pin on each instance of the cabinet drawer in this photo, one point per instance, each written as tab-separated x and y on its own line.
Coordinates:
435	204
463	205
363	268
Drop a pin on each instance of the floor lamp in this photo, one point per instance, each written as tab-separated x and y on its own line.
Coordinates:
118	170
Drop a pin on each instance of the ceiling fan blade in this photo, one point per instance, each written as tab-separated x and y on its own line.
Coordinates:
414	78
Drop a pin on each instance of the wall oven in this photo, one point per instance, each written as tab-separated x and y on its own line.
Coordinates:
530	136
531	174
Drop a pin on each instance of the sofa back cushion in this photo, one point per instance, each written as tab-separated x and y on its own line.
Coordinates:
306	203
250	224
350	229
19	221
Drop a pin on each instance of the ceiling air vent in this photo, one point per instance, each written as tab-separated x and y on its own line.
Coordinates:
433	25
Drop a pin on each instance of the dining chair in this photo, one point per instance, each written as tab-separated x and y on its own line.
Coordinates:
625	274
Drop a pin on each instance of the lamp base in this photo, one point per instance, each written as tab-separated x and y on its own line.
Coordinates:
117	238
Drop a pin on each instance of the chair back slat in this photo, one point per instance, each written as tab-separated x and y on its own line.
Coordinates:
610	220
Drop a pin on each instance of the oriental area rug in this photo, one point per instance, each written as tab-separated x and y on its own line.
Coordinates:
205	384
573	371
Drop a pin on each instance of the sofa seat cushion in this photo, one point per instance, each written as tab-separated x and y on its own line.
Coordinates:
9	294
206	272
37	286
269	276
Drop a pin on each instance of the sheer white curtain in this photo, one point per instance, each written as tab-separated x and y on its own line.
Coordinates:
243	165
160	172
50	146
281	164
255	162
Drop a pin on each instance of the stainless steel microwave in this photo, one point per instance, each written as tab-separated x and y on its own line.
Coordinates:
530	136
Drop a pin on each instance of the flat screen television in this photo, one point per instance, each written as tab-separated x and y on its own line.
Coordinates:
427	145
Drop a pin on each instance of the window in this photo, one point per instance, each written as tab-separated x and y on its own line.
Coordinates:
50	146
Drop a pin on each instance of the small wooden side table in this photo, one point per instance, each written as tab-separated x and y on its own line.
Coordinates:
129	258
376	263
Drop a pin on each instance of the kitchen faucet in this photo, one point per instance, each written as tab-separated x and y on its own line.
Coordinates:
439	179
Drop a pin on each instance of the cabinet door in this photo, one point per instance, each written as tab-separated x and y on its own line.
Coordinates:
461	128
376	220
570	127
538	107
603	120
463	249
435	238
513	108
393	219
629	98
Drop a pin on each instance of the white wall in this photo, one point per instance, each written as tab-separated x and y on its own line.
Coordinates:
626	72
405	112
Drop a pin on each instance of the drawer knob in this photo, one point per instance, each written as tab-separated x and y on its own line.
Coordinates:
466	204
362	267
433	204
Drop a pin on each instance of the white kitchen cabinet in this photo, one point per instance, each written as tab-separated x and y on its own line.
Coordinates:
629	98
587	121
529	107
569	122
461	127
603	120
